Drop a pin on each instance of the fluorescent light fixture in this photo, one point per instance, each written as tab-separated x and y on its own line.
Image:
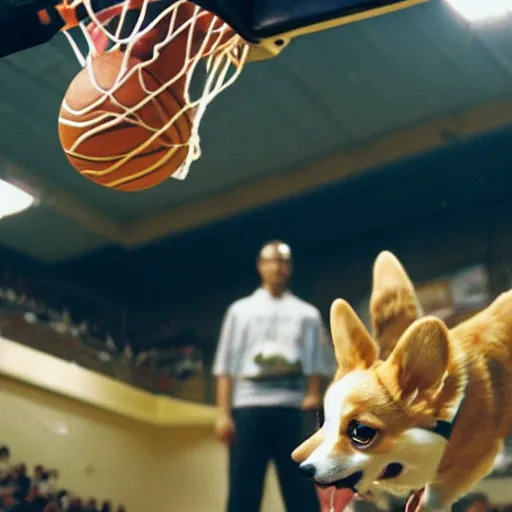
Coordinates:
13	200
476	11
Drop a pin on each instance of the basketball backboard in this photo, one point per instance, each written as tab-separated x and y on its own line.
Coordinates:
195	50
269	25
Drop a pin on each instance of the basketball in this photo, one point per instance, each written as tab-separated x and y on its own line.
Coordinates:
173	55
117	135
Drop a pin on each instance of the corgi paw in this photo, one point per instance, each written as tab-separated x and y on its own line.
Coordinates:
432	501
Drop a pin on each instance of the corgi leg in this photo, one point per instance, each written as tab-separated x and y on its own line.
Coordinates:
432	501
439	496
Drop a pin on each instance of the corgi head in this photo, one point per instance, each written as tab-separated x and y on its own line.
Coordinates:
379	414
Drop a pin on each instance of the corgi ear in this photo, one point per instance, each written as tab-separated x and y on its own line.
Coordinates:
420	359
393	303
353	345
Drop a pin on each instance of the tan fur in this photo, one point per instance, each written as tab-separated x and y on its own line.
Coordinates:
424	373
393	303
485	417
348	329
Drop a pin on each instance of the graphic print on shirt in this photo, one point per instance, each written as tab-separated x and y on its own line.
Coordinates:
273	358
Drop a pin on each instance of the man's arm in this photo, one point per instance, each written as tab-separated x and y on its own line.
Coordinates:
225	429
313	399
315	384
222	369
224	393
223	361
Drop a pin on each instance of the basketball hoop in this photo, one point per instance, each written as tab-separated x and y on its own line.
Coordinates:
193	52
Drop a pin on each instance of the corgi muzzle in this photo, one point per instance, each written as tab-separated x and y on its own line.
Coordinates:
310	471
350	482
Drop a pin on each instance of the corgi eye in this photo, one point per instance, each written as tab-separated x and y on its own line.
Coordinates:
362	436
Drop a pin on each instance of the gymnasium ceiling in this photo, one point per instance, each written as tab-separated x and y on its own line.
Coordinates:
333	104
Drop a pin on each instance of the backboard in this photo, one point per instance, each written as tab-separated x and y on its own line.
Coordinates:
268	25
195	50
271	24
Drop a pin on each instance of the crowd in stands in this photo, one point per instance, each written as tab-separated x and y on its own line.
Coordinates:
40	490
179	362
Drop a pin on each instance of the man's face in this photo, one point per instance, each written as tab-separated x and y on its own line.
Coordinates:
274	265
478	506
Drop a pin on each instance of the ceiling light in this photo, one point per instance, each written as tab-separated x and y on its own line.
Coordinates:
13	200
476	11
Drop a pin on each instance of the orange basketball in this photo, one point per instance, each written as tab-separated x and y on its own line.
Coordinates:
115	138
172	56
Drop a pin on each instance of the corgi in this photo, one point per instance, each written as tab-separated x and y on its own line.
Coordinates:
415	409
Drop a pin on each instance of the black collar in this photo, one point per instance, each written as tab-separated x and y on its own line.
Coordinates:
443	428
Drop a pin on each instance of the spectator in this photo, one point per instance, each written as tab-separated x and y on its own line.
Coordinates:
5	457
25	506
106	506
40	482
20	482
53	481
75	505
63	499
91	505
53	506
270	362
18	493
477	502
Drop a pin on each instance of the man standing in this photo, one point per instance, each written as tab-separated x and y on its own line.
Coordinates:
270	363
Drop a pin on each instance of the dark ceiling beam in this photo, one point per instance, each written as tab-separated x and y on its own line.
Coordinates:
375	153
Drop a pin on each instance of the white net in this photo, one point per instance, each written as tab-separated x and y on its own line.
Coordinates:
193	49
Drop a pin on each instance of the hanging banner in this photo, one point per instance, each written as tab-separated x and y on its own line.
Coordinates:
470	288
448	296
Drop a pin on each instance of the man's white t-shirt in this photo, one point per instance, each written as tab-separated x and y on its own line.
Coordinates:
269	346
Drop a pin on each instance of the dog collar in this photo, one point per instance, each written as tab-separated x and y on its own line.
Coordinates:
443	428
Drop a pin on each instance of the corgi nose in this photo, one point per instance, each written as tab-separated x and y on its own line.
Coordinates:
308	471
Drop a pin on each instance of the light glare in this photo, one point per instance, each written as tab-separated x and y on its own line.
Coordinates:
476	11
13	200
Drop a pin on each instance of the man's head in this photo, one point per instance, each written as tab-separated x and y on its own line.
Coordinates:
4	453
91	504
38	471
475	502
275	265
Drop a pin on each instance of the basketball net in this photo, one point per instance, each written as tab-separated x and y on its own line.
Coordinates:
212	65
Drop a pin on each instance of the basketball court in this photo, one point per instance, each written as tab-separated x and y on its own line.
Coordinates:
315	92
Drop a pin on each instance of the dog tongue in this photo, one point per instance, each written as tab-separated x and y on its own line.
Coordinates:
334	500
413	503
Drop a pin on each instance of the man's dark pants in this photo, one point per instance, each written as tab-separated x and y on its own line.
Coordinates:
265	434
